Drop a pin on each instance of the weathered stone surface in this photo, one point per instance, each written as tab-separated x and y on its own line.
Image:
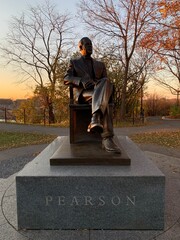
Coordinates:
91	197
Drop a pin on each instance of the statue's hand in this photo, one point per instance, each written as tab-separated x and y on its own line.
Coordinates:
87	82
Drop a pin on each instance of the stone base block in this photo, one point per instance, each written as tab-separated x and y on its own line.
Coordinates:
90	197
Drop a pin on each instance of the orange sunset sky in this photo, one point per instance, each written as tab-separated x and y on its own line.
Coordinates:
10	87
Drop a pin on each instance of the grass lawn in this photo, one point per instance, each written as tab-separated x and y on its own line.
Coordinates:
164	138
18	139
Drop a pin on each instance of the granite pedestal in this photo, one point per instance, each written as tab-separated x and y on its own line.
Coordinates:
90	197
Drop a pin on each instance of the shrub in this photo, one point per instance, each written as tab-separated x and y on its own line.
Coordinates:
175	111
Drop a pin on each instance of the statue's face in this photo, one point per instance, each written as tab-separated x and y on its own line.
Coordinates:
86	47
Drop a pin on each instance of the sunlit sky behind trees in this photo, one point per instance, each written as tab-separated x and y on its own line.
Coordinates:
9	80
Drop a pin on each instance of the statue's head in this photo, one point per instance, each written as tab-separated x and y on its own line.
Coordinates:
85	46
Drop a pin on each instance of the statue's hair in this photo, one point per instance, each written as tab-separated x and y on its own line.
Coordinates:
82	41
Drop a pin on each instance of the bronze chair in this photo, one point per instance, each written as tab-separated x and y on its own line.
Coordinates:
80	116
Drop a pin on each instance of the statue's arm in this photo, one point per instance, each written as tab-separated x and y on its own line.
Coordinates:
70	77
100	71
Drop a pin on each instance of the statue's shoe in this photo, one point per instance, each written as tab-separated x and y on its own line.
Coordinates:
95	125
109	145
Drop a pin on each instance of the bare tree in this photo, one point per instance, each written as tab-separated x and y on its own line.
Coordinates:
36	45
121	23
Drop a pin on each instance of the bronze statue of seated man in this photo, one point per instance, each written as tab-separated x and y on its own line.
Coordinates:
91	84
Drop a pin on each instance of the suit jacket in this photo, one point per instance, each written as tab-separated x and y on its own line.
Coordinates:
78	70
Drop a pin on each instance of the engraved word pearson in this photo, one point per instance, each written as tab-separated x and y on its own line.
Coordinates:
90	201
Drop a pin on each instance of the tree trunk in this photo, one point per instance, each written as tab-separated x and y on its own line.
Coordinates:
123	102
51	113
123	97
177	100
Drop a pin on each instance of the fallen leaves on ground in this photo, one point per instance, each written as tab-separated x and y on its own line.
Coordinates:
164	138
18	139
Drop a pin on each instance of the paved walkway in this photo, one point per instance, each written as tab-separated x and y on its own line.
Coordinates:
13	160
156	124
